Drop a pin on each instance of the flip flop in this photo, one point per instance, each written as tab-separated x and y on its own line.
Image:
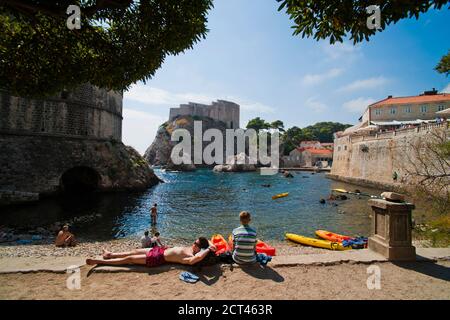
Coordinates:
188	277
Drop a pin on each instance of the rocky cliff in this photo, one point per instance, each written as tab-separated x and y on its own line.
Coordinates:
49	165
159	151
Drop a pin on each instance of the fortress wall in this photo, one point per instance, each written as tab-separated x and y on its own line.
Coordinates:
372	160
227	112
87	112
36	163
41	139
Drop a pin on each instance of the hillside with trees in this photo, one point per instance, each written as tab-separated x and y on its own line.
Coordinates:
290	138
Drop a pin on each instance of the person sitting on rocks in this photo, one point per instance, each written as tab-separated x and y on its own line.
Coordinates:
157	256
146	241
155	240
65	238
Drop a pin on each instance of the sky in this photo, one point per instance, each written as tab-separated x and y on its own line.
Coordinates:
250	57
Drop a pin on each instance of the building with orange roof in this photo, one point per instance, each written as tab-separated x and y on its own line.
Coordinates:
421	107
395	112
310	157
317	157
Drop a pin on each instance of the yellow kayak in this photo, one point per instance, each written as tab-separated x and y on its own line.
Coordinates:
281	195
340	190
316	242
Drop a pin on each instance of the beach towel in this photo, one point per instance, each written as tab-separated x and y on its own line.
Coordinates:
356	243
263	259
188	277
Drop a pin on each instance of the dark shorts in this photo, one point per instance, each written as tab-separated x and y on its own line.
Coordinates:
155	257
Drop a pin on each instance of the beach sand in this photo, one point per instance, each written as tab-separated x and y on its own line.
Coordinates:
420	280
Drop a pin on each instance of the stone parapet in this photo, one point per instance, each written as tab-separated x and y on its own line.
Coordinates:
392	229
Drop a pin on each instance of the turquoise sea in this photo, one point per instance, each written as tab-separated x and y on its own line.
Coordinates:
191	204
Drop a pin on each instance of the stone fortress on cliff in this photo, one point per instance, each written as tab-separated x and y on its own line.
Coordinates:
220	114
68	142
220	110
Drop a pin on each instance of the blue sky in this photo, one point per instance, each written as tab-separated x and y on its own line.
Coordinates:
250	57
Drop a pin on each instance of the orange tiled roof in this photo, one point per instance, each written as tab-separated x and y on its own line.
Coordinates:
413	99
318	151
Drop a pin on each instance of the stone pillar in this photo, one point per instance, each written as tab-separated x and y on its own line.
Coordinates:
391	230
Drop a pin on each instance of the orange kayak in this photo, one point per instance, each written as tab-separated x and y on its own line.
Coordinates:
261	247
331	236
221	244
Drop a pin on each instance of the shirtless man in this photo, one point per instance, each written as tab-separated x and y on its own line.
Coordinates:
158	255
65	238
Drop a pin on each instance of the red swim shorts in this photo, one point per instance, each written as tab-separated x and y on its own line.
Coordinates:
155	257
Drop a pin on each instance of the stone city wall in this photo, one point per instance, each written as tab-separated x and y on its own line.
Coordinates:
85	112
371	160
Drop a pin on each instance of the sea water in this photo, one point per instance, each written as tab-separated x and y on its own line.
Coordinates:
201	203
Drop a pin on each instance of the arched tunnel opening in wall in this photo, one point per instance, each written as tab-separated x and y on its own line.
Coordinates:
80	180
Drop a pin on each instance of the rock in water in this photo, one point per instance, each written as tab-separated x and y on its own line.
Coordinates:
237	163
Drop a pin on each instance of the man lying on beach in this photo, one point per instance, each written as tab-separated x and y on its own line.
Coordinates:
157	256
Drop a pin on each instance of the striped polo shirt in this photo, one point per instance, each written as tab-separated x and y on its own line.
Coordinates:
244	240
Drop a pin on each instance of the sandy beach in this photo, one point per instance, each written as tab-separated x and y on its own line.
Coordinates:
415	280
344	281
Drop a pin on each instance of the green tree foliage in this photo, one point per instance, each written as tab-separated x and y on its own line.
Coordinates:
321	131
120	42
335	20
277	125
258	124
444	65
291	138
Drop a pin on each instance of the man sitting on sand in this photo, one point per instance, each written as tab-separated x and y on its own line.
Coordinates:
158	255
65	238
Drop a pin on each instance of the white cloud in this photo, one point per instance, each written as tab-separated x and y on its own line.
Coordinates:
250	106
313	104
340	50
446	89
155	96
160	97
358	105
311	79
139	128
363	84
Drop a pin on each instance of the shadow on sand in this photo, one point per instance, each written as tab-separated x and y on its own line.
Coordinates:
426	267
207	274
263	273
